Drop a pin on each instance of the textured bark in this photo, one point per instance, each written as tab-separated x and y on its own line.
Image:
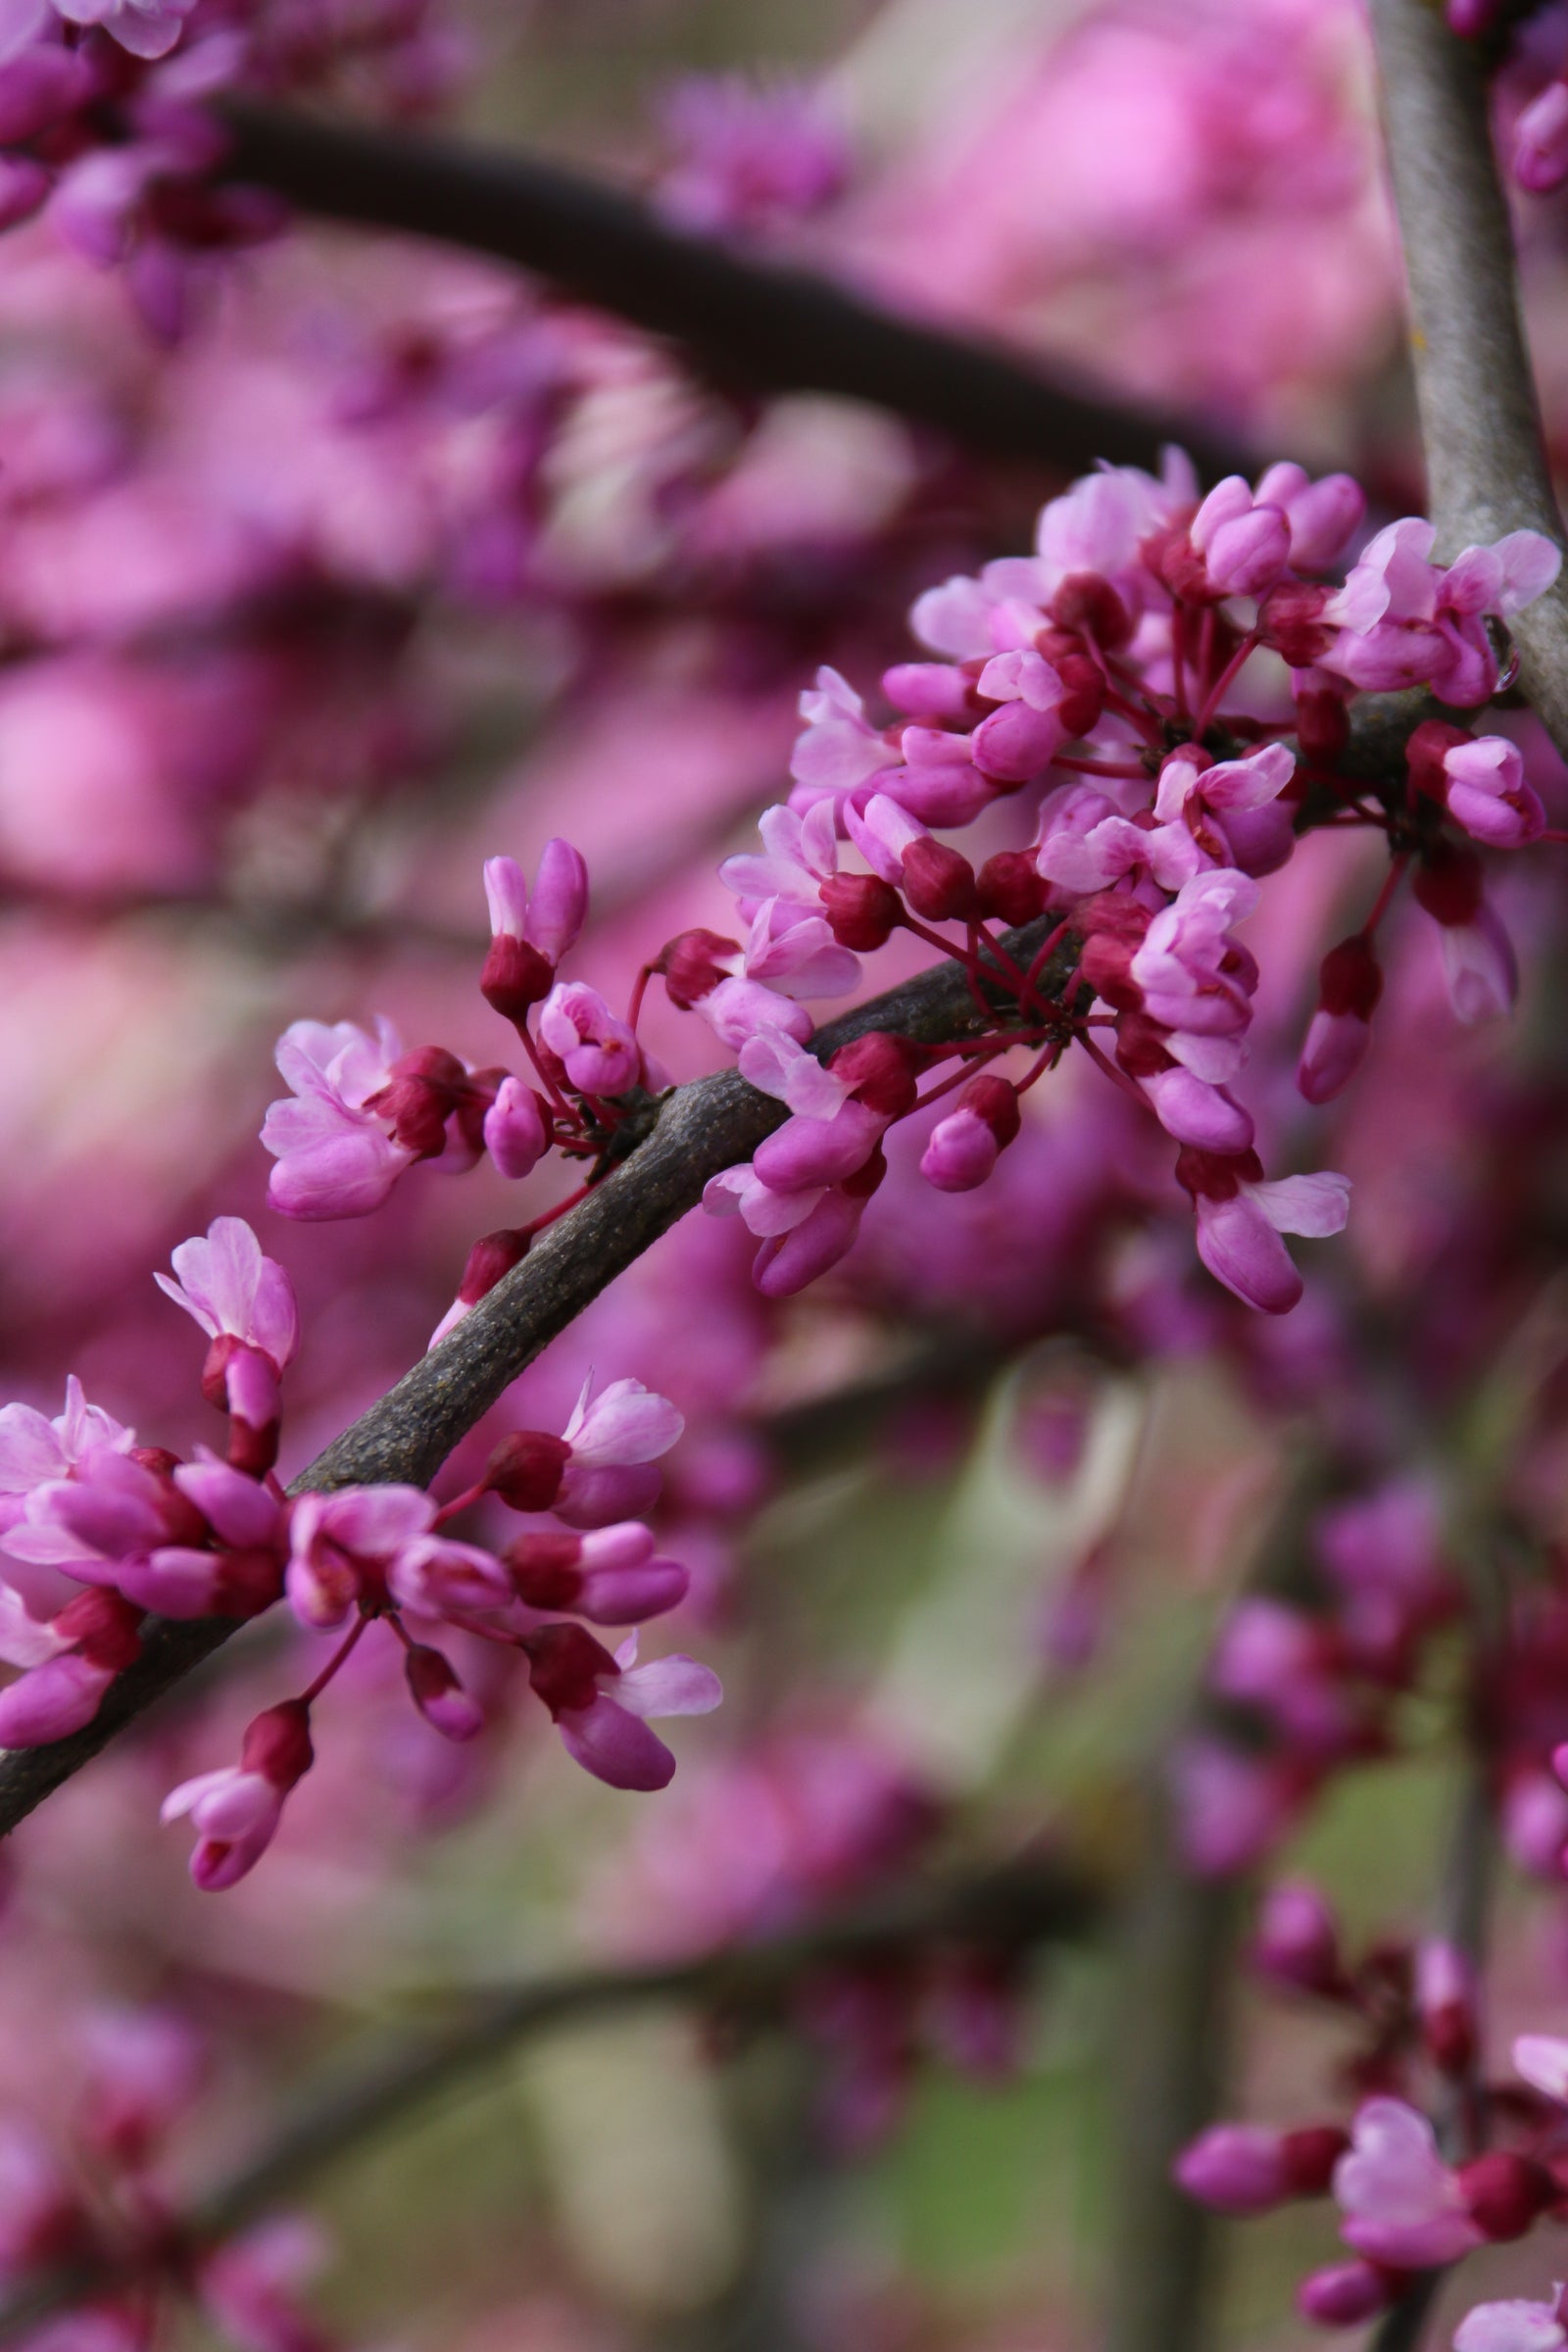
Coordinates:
1485	459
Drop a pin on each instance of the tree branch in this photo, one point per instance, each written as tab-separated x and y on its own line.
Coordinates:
1010	1908
697	1132
1485	459
747	320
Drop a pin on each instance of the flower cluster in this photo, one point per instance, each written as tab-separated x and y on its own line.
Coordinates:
84	1506
1140	677
1406	2203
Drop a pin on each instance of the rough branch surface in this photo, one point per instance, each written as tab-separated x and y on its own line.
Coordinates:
1485	459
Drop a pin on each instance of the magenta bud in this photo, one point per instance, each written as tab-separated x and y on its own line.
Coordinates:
1347	2292
1235	2167
525	1469
439	1695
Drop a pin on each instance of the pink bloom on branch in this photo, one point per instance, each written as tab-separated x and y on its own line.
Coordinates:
1403	2205
69	1664
1239	1221
598	1052
250	2285
145	2070
147	28
517	1134
1247	2169
35	1450
335	1158
236	1810
1406	621
530	936
373	1544
601	1703
1512	2326
839	749
612	1442
231	1290
1486	793
1543	2060
1323	515
1541	141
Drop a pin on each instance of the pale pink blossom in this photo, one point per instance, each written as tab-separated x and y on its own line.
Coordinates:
601	1703
1401	2204
1239	1234
69	1663
550	919
335	1158
600	1054
1323	515
614	1440
516	1132
233	1291
1543	2060
839	749
1512	2326
1486	793
251	2284
35	1450
236	1810
1405	620
1541	141
367	1543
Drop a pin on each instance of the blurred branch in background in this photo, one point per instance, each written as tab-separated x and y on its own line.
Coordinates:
1007	1910
748	320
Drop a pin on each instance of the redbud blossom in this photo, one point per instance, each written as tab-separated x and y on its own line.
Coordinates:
1511	2327
517	1129
1402	2203
600	1703
529	937
963	1145
600	1052
1350	984
236	1810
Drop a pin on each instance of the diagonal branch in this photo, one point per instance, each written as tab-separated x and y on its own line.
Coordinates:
747	320
698	1131
1486	460
1008	1909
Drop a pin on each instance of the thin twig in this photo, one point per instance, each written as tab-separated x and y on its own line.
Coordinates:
1011	1908
697	1132
1487	470
747	320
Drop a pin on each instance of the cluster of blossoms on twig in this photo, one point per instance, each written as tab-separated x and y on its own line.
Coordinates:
1412	2195
139	1531
1142	672
101	2199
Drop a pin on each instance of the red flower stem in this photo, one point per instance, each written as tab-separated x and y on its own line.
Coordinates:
638	992
338	1658
550	1214
1178	659
1212	699
1120	1077
1391	883
551	1088
459	1503
1045	1059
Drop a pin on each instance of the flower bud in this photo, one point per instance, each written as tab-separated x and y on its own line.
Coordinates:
526	1468
882	1070
515	977
693	965
862	909
939	882
963	1147
1348	2292
1010	888
1505	2192
440	1697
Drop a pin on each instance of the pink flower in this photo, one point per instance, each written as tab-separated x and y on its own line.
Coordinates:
600	1703
1232	806
600	1054
1020	739
529	937
145	2069
1541	141
69	1664
35	1450
1514	2327
1488	795
1101	524
439	1695
1403	2205
1350	984
1244	2167
367	1544
938	882
1346	2293
1297	1939
750	158
1085	845
236	1810
840	749
1231	1808
148	29
1543	2060
799	855
611	1576
1240	1220
1193	976
612	1440
40	2214
964	1145
335	1158
1405	620
1235	546
251	2284
517	1129
111	1510
1323	515
231	1290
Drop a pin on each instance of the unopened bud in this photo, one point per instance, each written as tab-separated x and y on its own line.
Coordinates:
882	1068
525	1469
862	909
1010	888
694	963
